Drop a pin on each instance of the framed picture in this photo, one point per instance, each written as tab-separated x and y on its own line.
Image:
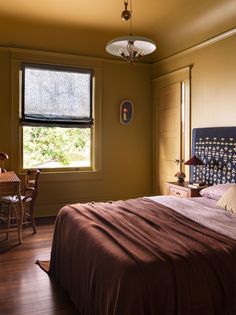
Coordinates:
126	112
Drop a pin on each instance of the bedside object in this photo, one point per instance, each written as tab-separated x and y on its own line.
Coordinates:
180	176
182	190
195	162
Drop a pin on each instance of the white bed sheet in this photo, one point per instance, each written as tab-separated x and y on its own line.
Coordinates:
202	210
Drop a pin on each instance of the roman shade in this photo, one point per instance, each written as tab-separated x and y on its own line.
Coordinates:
56	96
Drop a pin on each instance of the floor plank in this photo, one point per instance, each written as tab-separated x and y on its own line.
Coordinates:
24	287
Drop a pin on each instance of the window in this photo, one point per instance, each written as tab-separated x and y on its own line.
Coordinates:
56	117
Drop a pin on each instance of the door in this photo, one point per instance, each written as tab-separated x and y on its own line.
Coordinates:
172	127
169	122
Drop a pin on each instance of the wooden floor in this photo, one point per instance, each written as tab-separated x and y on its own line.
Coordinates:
24	288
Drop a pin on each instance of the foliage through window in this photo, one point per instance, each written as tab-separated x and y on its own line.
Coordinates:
56	117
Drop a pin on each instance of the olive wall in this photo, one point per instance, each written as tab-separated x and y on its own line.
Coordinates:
126	152
125	168
213	78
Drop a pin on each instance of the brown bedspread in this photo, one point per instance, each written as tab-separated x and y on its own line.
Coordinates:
137	257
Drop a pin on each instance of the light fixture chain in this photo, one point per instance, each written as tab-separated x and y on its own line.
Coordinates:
130	48
131	25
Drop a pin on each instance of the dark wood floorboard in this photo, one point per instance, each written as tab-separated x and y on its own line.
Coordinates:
24	288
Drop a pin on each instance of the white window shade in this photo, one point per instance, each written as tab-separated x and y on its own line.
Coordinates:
56	96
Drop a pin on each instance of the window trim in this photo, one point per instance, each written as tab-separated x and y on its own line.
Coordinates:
19	56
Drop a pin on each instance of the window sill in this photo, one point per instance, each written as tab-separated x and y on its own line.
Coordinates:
69	176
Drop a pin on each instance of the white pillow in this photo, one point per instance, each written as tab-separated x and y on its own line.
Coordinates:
228	200
216	191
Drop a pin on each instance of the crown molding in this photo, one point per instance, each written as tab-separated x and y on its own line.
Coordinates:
35	55
201	45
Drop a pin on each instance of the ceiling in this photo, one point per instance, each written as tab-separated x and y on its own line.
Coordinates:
84	27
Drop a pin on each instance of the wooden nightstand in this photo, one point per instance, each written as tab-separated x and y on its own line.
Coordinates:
182	190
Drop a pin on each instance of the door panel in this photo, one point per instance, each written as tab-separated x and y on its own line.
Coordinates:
169	122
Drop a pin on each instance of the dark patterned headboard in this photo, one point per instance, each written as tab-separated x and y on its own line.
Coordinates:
216	147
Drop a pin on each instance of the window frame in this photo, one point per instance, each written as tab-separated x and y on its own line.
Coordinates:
59	169
90	125
62	174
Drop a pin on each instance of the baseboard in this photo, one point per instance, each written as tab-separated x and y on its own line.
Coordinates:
45	220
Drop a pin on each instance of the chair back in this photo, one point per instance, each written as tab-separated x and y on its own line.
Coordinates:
3	157
28	198
31	180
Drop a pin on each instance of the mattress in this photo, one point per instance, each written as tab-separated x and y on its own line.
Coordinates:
146	256
202	210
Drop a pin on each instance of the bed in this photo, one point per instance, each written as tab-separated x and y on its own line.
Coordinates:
157	255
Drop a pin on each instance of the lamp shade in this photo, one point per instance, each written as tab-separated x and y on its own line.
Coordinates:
120	46
194	161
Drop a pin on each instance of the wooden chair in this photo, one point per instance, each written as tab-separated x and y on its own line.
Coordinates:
3	157
28	198
10	187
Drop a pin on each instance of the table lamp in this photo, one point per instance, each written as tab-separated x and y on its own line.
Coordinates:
194	161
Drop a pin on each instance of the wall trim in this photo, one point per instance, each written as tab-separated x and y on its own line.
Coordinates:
196	47
175	72
51	208
19	54
98	60
24	53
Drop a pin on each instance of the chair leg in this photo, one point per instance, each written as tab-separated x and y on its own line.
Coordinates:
20	234
31	213
8	220
19	223
33	223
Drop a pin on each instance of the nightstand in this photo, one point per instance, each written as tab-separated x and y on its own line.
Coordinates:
182	190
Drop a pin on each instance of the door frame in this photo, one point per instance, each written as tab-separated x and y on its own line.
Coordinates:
178	75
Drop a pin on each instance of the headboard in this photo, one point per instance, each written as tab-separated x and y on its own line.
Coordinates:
216	147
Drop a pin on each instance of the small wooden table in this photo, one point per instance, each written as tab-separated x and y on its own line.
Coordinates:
182	190
10	186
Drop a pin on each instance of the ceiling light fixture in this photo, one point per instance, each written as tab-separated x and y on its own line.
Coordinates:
130	48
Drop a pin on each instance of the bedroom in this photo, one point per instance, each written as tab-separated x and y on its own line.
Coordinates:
213	97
